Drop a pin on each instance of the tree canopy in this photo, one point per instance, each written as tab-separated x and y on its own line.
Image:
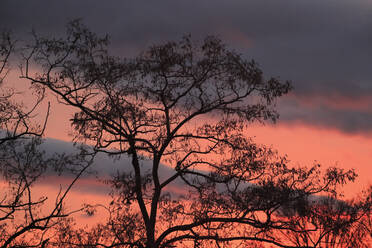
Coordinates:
25	221
187	105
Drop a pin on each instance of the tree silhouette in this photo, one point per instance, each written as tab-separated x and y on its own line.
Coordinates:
15	119
24	219
185	105
334	224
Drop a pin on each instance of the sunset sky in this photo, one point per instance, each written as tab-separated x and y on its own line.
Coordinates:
323	46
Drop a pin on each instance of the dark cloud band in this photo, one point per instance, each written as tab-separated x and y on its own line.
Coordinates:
324	47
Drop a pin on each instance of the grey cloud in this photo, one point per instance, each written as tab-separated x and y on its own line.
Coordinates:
102	169
322	46
311	42
352	121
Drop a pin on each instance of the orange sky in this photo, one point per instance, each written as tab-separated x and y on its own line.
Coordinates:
302	143
323	47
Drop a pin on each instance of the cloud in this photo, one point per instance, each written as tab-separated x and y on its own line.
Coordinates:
324	47
347	115
101	170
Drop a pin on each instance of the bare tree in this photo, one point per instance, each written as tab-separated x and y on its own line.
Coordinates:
187	106
15	118
333	223
26	221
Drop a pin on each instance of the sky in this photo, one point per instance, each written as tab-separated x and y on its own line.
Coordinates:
324	47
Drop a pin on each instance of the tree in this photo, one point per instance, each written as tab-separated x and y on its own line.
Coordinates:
24	219
15	120
27	220
187	106
334	224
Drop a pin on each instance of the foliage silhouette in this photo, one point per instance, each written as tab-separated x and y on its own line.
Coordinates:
186	105
25	221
